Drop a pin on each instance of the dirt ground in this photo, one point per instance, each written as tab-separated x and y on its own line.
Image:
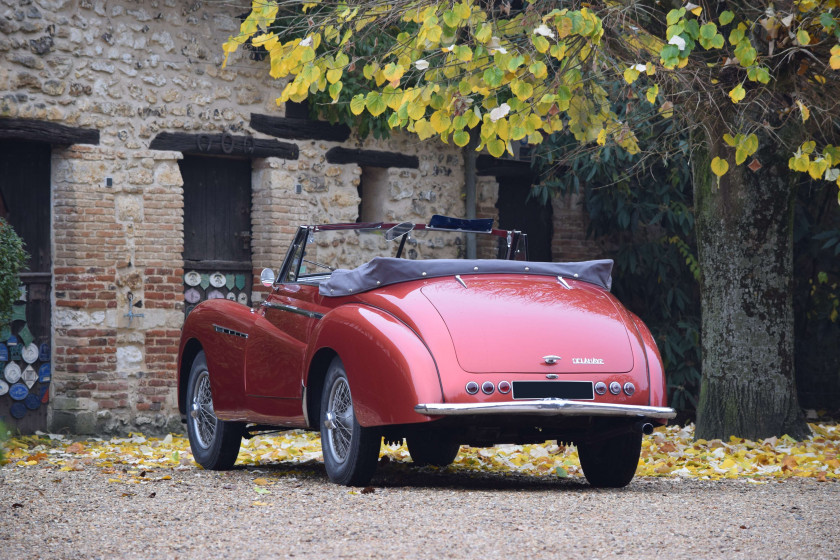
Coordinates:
287	510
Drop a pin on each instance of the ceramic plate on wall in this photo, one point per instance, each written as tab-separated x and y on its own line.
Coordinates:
30	353
12	372
217	279
192	278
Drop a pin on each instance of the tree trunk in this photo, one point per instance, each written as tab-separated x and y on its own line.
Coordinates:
745	244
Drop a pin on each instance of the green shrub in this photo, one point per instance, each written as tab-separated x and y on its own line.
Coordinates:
13	259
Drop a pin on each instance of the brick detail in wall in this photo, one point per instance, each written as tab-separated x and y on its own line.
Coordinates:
114	245
276	212
569	242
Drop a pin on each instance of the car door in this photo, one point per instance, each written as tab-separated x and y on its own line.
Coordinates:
276	351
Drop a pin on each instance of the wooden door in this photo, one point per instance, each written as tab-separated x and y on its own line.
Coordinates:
516	211
25	364
217	229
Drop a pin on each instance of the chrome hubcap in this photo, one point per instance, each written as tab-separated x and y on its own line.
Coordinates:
338	420
202	415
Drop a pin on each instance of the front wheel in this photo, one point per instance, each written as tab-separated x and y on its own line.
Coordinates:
350	450
611	462
214	443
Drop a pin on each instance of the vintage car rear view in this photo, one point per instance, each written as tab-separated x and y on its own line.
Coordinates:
376	331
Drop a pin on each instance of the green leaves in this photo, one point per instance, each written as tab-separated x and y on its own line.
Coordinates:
670	56
745	148
493	76
375	104
710	38
745	145
441	68
674	16
758	74
13	258
521	89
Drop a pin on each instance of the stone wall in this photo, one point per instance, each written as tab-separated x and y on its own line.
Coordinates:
132	69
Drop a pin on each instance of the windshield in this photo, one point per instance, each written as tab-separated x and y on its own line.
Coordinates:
325	250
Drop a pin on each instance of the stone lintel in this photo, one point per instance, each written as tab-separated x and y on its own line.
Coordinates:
223	145
299	129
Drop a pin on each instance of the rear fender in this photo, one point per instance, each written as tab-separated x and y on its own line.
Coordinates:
656	371
388	366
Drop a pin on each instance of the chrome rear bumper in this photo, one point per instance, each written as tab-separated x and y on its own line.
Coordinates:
548	407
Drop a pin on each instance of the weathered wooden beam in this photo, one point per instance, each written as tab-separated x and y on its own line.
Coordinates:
48	132
372	158
223	145
299	129
488	166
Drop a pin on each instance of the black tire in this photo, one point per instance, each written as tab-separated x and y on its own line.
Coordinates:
429	448
214	443
612	462
350	450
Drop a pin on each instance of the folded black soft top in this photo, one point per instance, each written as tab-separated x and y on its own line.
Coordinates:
382	271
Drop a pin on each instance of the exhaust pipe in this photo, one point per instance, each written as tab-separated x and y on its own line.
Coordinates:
644	427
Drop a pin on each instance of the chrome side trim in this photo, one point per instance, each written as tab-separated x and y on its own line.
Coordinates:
547	407
293	309
225	330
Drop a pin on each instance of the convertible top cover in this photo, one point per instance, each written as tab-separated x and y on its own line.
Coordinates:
382	271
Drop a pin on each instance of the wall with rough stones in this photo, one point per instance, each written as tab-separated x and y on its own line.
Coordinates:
133	69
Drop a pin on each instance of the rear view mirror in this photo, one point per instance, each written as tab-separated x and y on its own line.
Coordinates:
267	277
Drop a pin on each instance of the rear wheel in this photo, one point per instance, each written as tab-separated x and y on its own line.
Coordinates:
611	462
350	450
214	443
428	448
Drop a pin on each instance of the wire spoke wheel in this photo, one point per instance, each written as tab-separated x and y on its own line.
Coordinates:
351	451
214	443
340	412
202	415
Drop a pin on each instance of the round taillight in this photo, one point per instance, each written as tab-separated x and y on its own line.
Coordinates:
600	387
487	387
472	387
504	387
629	389
615	387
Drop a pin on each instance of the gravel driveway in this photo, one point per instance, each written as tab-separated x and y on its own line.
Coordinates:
277	512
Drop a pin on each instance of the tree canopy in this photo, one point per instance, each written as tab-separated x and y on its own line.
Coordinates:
519	71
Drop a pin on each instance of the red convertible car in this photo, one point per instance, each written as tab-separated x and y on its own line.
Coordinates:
376	330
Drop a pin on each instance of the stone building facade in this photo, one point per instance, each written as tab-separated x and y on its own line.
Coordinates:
128	98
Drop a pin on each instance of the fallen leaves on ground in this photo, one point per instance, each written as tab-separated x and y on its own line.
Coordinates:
669	452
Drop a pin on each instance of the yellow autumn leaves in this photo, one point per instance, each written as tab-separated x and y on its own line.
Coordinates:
445	67
670	452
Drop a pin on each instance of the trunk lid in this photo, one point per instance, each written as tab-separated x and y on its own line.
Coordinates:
509	323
